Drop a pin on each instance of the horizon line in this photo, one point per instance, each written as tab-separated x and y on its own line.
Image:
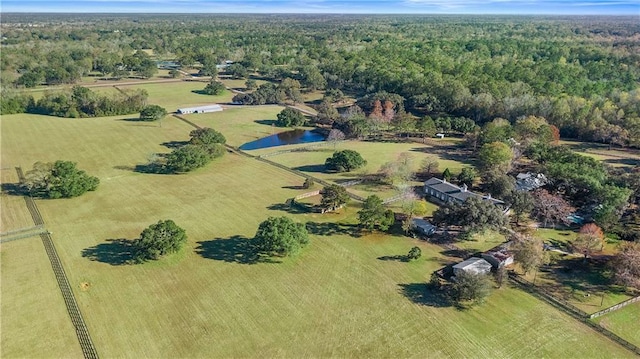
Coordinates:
317	13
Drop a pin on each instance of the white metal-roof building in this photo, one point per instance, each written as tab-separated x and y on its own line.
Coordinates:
473	265
200	109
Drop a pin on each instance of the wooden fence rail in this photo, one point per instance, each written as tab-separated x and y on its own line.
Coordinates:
615	307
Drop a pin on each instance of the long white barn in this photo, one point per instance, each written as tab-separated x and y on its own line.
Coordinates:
200	109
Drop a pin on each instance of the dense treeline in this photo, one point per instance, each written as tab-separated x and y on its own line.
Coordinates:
77	102
579	73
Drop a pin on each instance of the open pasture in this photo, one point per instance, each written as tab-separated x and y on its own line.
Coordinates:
345	295
376	154
623	322
34	320
614	156
241	124
175	95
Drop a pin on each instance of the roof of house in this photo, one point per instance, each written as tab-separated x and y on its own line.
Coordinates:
460	193
473	262
422	223
530	181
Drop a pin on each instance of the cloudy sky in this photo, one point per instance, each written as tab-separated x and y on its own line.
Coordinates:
594	7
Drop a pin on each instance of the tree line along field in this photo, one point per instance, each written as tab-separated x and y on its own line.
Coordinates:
337	298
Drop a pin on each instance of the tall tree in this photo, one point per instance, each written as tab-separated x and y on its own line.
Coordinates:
550	208
187	158
474	214
521	202
626	265
290	117
589	239
159	239
496	156
60	179
333	197
528	252
345	161
471	288
280	236
153	113
374	214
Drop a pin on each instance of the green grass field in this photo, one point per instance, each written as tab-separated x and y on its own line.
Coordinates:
340	297
175	95
241	124
616	157
35	323
623	322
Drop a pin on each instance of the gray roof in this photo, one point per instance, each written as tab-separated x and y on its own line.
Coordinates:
460	193
423	223
473	262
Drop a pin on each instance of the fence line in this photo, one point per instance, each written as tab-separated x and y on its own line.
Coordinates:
572	311
275	164
88	349
23	235
306	195
615	307
20	230
301	149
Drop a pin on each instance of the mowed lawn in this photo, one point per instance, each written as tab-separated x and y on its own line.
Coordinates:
340	297
623	322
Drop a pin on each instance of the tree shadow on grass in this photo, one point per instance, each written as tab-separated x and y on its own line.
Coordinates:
266	122
235	249
136	119
397	258
13	189
422	294
458	253
293	208
174	144
331	229
115	252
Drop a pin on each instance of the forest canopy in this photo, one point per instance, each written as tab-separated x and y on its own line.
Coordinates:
579	73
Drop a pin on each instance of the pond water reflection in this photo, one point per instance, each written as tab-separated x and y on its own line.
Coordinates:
284	138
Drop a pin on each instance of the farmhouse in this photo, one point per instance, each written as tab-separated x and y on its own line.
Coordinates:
444	191
423	226
473	265
200	109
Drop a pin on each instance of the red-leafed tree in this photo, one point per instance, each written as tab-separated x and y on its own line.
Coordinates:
388	113
627	265
376	113
589	239
550	208
555	134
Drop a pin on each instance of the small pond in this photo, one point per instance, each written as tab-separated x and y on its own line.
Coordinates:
284	138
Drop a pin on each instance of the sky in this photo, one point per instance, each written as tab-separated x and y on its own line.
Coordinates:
547	7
